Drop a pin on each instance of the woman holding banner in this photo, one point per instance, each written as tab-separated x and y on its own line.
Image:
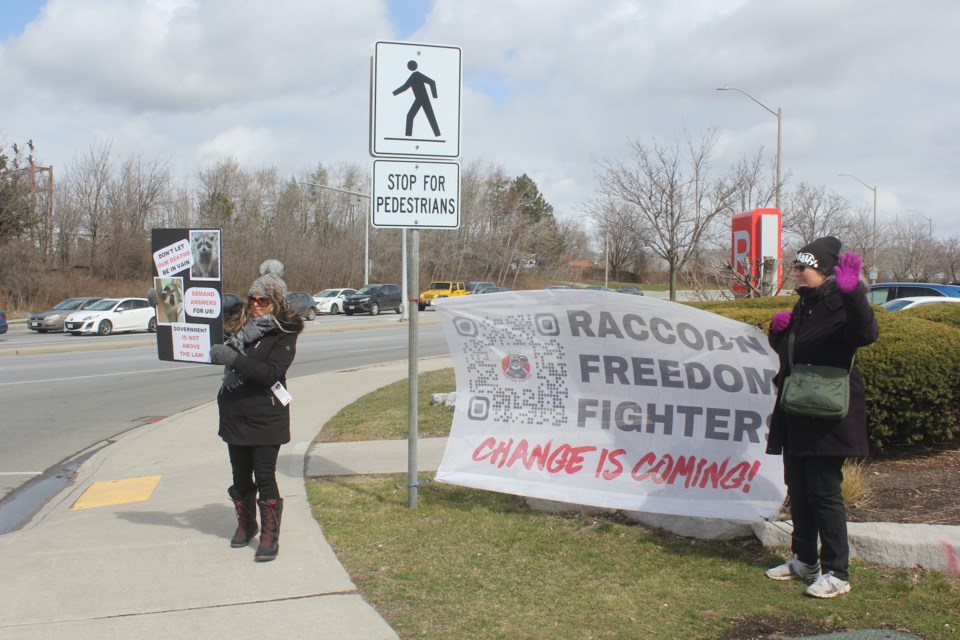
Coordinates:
829	322
254	414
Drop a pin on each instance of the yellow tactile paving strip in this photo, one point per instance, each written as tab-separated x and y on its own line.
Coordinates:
113	492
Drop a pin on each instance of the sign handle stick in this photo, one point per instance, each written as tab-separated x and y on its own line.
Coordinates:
413	285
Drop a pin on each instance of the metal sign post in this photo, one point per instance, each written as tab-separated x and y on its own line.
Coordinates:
415	121
403	273
413	387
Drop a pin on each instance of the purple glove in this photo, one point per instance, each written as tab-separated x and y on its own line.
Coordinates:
848	272
781	320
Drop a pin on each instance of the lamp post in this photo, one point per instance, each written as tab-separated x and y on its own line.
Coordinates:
366	224
606	268
779	115
930	220
873	233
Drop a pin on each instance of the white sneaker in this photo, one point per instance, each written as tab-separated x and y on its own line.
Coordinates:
827	586
794	569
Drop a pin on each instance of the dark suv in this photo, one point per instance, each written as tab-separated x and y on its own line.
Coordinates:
302	302
885	291
373	298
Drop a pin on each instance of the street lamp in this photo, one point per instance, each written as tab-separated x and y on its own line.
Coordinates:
873	241
779	115
366	225
930	220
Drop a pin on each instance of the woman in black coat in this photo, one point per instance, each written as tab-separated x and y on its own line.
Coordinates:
254	413
830	321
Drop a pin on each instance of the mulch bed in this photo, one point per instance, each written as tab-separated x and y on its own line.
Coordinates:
920	488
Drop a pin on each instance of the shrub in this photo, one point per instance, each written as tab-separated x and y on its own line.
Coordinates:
911	381
910	373
947	313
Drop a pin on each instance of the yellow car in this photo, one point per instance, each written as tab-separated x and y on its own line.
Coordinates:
441	290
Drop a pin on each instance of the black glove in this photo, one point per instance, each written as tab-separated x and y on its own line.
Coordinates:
152	297
222	354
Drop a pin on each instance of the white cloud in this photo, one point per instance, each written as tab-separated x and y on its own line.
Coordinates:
550	86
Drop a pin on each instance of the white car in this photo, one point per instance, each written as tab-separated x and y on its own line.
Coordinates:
898	304
113	314
330	301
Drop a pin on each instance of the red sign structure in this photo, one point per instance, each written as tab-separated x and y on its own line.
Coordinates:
757	252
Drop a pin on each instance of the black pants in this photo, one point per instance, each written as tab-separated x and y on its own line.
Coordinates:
255	469
816	506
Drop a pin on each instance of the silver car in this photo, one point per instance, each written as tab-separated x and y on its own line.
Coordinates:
52	319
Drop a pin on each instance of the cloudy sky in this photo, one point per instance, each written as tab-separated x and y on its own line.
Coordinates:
550	87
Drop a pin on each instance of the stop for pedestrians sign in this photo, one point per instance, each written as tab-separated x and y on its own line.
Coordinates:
416	194
415	100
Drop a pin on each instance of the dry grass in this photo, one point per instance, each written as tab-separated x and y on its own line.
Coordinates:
856	491
29	286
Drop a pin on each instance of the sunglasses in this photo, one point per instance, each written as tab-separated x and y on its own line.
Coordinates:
800	268
257	301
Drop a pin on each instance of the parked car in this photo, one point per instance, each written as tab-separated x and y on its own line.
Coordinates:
331	300
916	301
3	322
374	297
230	304
636	291
52	319
557	286
882	292
111	315
302	302
596	287
493	290
474	286
441	289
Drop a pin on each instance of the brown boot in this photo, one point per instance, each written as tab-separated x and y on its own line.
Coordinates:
246	506
270	512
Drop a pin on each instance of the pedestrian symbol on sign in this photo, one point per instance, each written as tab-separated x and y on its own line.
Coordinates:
415	100
417	82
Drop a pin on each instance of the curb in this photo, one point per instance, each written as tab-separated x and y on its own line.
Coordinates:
931	546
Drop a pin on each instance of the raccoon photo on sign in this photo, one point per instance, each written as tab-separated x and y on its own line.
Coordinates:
205	249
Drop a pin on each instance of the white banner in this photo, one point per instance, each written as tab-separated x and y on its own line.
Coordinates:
611	400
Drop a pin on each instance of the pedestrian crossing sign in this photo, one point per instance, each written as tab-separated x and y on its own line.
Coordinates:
415	100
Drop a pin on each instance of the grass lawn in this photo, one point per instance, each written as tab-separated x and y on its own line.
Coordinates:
470	564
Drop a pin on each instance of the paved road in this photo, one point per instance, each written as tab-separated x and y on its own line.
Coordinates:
63	394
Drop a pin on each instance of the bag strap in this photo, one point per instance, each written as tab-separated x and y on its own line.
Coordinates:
790	342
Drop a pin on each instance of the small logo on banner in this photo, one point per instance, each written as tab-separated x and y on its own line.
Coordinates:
516	366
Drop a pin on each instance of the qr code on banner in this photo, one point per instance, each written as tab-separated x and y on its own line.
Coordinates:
516	369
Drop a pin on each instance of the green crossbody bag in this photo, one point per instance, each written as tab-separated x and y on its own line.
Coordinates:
815	391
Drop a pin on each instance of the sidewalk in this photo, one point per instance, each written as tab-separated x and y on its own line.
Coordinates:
161	567
151	560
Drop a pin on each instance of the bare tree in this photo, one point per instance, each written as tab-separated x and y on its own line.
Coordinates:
135	197
812	212
950	249
619	232
675	194
757	189
88	181
911	252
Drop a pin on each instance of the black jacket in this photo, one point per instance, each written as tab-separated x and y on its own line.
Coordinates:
250	414
831	326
